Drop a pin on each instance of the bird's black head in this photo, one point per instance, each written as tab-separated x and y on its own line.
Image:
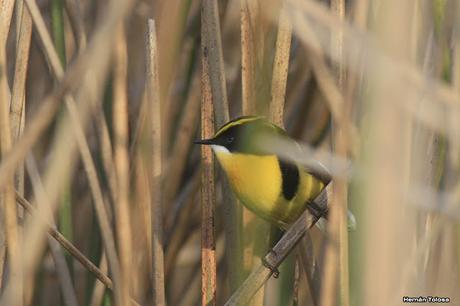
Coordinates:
242	134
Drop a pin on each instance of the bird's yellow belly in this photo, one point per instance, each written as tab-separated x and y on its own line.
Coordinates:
257	181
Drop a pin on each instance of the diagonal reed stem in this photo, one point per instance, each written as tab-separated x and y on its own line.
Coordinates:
65	243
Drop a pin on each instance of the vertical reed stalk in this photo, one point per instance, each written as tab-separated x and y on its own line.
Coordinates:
8	199
9	209
455	151
120	125
213	54
57	21
6	12
73	8
336	257
253	103
385	164
18	98
248	107
208	248
171	20
214	89
280	68
58	31
248	59
153	95
276	114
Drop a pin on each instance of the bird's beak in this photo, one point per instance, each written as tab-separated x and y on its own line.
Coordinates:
204	141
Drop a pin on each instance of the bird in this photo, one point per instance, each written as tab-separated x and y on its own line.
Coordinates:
275	189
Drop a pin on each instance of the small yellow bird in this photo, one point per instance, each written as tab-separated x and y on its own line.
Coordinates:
274	189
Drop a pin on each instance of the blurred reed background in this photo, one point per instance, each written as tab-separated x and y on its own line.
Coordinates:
100	102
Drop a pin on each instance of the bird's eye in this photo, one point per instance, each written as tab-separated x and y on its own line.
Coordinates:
230	139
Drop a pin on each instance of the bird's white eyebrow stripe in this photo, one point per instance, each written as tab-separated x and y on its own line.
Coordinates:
220	149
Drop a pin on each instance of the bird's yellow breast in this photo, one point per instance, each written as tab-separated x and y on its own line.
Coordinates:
257	181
